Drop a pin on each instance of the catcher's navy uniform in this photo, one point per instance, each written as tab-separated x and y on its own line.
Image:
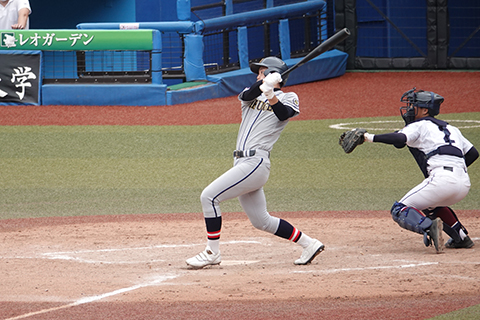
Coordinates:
265	113
443	154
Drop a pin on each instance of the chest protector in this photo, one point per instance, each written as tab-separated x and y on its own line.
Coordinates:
447	149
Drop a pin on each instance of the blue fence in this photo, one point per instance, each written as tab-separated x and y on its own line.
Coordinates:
411	34
183	52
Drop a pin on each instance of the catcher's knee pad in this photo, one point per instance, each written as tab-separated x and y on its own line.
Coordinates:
410	218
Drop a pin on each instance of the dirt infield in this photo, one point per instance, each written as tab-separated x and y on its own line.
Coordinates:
133	266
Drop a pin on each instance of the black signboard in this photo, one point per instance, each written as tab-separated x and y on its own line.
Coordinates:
20	77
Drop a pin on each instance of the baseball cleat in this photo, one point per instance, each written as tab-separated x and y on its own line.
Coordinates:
465	243
435	233
310	252
205	258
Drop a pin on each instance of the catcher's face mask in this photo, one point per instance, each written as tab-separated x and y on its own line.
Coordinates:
409	111
419	99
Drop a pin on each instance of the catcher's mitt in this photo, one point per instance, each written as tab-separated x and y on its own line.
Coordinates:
349	140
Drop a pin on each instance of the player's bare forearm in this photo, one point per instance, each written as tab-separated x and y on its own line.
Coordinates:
22	19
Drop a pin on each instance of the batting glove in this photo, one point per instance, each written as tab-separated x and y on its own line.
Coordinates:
273	79
267	90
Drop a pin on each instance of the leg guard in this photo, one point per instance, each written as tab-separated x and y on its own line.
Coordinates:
410	218
451	225
453	232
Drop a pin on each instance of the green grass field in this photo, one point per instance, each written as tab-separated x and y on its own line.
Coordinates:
471	313
102	170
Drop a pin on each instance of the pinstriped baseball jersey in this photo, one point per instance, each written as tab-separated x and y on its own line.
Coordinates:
260	127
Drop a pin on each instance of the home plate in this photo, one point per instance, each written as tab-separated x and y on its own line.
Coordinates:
238	262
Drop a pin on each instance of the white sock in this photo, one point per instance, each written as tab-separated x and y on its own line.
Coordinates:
214	245
462	234
304	241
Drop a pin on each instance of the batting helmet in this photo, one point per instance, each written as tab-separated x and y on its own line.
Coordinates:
421	99
273	64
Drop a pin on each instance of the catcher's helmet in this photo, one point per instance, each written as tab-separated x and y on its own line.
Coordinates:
273	64
421	99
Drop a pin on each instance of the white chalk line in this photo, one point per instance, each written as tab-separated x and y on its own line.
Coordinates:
353	125
330	271
65	255
238	262
74	256
148	248
97	297
62	255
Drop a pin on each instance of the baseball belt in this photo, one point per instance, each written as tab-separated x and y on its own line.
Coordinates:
448	168
452	169
250	153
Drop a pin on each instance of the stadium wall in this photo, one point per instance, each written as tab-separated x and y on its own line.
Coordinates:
192	34
410	34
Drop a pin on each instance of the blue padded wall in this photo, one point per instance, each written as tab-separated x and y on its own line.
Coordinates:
54	14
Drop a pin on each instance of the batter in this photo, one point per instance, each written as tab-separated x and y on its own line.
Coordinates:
266	110
443	154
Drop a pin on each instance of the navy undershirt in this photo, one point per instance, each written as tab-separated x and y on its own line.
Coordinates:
282	111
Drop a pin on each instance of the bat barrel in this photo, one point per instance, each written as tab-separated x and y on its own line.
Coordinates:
323	47
328	44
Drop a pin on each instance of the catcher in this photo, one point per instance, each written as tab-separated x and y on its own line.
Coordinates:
443	155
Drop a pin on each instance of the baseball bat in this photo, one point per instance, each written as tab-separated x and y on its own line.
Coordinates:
321	48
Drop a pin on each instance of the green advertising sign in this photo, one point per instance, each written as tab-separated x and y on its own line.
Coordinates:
76	39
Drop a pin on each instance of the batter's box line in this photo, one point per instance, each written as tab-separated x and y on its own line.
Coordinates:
330	271
74	255
359	124
155	282
150	247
